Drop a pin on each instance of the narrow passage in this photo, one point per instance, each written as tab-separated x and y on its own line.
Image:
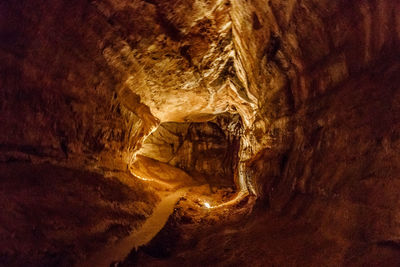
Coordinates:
139	237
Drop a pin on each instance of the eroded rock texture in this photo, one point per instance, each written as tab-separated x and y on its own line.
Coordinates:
315	83
332	117
56	216
209	149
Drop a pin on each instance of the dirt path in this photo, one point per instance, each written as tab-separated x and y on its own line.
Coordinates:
139	237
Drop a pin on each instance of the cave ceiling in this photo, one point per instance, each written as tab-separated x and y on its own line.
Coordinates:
179	58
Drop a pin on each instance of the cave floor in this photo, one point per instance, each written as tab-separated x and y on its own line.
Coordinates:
55	216
258	239
248	235
117	252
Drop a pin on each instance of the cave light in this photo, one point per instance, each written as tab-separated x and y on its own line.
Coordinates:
239	196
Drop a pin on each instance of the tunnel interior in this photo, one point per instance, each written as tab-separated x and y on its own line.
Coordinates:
199	133
207	151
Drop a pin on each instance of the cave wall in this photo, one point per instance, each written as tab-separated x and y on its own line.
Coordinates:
60	104
59	92
324	146
82	84
209	149
82	81
87	80
313	50
315	82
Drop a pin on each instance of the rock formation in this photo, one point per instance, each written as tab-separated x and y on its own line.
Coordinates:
295	102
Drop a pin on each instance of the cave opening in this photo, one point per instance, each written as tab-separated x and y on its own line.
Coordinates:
192	153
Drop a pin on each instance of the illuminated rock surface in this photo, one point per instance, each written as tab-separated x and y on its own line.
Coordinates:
297	102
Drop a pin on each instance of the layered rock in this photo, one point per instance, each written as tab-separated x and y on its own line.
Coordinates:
328	123
210	149
84	84
112	80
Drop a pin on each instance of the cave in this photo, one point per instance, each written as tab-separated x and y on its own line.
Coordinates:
200	133
208	152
